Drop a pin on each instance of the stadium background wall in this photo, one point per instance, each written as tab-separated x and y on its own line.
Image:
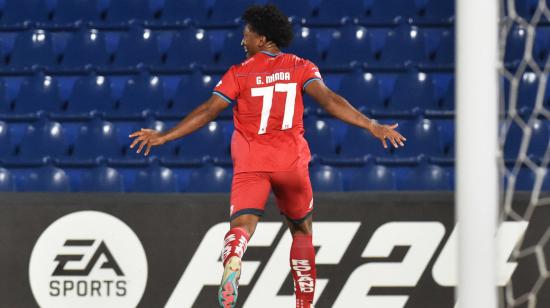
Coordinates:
172	227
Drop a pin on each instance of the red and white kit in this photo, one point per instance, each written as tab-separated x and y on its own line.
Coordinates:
268	146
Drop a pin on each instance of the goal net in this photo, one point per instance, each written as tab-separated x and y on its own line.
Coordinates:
524	146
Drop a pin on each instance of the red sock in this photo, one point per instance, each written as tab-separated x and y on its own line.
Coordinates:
234	243
302	263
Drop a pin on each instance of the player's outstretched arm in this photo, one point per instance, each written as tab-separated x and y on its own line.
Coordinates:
340	108
199	117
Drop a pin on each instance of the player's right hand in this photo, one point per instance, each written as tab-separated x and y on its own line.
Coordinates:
384	132
146	138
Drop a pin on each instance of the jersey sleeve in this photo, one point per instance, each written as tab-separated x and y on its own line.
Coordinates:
228	88
311	73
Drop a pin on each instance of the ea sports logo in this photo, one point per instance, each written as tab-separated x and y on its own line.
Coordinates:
88	259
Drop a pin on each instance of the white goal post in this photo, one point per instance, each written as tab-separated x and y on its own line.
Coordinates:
477	65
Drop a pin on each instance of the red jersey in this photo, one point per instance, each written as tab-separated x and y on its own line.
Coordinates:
266	91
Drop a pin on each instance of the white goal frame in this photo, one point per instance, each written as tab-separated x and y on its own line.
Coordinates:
476	121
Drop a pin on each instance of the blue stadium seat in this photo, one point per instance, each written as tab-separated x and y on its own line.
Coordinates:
311	107
43	139
370	178
179	10
138	45
47	179
92	92
412	90
305	44
447	100
4	100
538	141
7	182
101	179
191	92
141	93
423	137
97	138
18	11
320	138
438	11
404	37
350	43
447	135
39	92
526	93
326	178
167	150
362	89
541	48
33	47
388	10
232	52
210	179
525	180
4	48
425	177
292	8
207	141
226	12
156	179
524	8
68	11
445	52
331	12
121	11
359	142
515	44
189	46
85	47
5	139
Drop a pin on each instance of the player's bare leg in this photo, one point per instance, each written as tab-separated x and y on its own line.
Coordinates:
235	243
302	262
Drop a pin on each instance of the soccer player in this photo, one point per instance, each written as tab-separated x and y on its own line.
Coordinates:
268	148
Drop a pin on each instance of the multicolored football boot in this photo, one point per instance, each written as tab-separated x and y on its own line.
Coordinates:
227	294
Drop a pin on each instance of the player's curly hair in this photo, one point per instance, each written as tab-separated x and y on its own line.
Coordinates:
270	22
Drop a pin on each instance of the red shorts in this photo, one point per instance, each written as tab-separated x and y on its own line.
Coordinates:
292	189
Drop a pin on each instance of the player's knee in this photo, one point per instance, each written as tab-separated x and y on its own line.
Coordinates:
249	228
301	232
246	222
303	228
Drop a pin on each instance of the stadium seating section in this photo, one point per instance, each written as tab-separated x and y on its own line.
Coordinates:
78	76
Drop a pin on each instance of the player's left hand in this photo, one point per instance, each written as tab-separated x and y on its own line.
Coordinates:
146	137
384	132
